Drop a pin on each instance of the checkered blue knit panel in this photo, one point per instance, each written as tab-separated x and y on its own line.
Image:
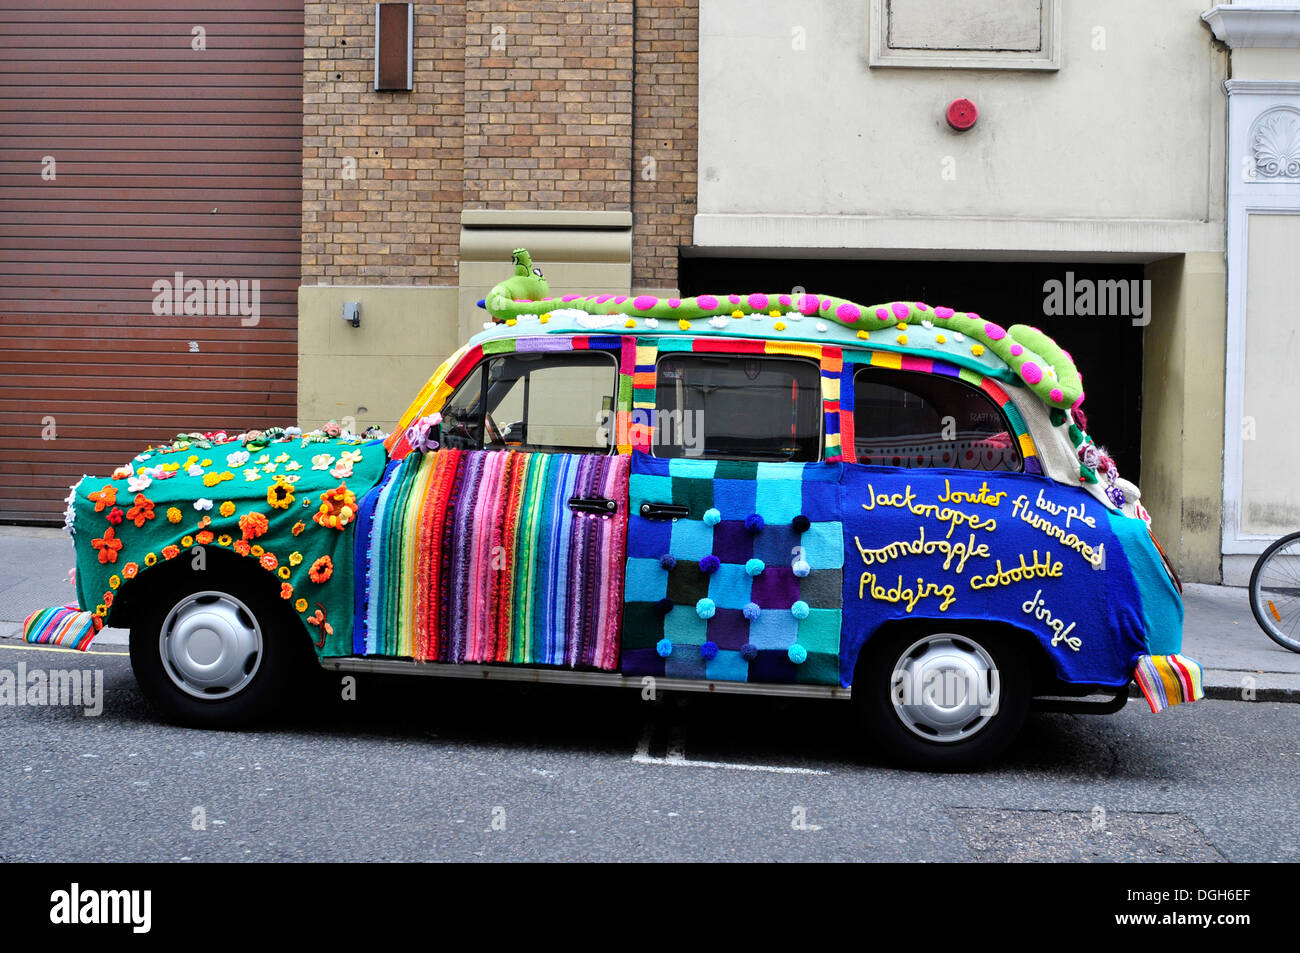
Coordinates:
747	586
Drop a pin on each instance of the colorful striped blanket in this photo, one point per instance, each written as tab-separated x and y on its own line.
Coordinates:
60	625
1167	680
476	556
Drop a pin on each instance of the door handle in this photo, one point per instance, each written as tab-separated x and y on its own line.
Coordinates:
596	504
664	511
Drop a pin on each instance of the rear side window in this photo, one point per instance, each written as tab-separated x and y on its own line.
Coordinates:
738	407
911	419
543	402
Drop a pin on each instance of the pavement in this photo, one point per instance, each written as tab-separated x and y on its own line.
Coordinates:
1241	663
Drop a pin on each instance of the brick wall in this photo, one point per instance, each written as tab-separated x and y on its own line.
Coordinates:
516	105
665	102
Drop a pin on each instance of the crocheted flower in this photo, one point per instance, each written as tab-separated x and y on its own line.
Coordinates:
138	484
202	504
301	605
295	559
321	570
241	546
252	475
173	514
227	508
108	545
299	526
322	461
212	479
142	510
238	458
422	435
253	525
337	507
113	582
151	559
286	591
332	429
224	539
284	572
269	562
203	538
187	541
122	473
114	516
279	494
104	498
171	552
205	522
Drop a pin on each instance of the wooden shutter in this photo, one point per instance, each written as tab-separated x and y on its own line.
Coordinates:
166	159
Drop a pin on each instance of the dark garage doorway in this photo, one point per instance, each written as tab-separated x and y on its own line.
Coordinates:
1107	350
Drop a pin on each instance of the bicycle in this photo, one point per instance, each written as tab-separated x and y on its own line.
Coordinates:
1275	592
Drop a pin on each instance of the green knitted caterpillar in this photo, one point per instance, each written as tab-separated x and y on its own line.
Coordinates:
1043	366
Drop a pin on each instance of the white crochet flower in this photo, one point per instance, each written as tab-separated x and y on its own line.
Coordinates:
237	459
202	503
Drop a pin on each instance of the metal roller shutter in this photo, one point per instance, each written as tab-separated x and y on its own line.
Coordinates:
166	159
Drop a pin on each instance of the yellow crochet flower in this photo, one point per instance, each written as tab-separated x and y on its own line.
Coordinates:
150	559
174	515
227	508
295	559
301	605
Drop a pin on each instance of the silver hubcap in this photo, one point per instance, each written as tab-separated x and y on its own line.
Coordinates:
211	645
945	688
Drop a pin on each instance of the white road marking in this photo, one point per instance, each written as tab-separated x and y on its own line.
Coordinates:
676	757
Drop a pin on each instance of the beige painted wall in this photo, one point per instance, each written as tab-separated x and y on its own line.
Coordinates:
1270	450
370	373
1182	412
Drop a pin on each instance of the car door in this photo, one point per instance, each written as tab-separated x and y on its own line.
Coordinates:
735	553
506	543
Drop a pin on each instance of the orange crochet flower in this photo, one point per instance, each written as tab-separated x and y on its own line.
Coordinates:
171	552
321	570
227	508
173	515
204	537
298	527
141	511
269	562
129	570
108	545
103	498
286	591
337	507
279	494
241	547
253	525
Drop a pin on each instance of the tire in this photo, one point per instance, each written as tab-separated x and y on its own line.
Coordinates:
213	649
900	684
1274	574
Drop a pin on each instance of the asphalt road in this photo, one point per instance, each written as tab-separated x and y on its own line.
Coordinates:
432	769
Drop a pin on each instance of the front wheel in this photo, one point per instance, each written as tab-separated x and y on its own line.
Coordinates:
213	652
1275	592
942	700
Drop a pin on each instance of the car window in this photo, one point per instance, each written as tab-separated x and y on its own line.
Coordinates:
741	407
912	419
546	402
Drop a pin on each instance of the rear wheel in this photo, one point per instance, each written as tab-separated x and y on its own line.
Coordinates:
214	650
940	699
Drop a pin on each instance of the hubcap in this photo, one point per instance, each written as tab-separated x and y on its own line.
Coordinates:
211	645
945	688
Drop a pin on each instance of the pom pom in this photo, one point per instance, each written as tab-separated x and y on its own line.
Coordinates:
754	523
712	517
800	523
799	610
705	608
668	561
664	606
664	647
749	651
801	568
709	650
710	563
755	567
751	611
797	654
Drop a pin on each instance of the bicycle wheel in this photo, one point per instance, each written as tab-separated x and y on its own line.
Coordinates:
1275	592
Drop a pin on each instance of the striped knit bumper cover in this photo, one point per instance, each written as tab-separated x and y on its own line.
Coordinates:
475	556
1167	680
60	625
